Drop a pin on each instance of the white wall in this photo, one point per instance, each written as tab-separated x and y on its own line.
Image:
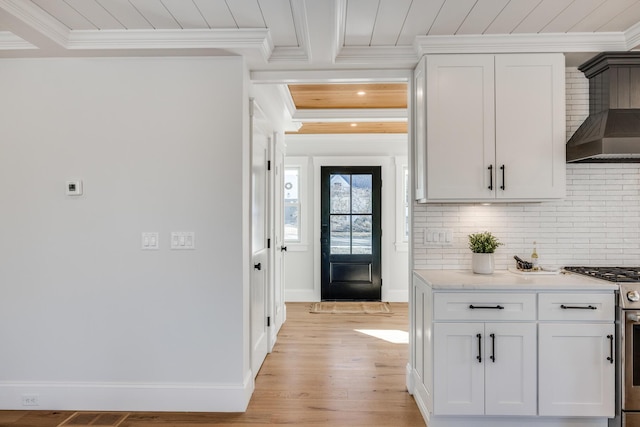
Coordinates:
597	224
88	320
302	269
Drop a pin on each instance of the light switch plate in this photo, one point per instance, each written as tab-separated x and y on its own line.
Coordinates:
438	237
150	241
183	240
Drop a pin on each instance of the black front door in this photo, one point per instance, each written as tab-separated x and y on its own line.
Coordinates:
351	233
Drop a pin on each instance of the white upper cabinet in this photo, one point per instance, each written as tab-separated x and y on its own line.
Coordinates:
495	128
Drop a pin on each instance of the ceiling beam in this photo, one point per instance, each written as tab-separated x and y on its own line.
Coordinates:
33	25
351	115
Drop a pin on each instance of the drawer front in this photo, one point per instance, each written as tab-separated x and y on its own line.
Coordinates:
576	306
484	306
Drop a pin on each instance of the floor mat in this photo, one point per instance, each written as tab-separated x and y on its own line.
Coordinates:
351	307
96	419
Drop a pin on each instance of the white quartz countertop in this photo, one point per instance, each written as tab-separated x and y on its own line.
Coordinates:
506	280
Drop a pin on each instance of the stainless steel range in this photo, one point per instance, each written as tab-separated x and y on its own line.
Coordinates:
627	342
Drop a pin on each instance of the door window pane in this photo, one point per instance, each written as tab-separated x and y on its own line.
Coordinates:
340	234
340	193
362	234
361	193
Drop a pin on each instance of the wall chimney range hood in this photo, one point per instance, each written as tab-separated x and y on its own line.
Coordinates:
611	132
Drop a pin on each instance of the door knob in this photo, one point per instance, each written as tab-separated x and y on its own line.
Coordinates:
257	266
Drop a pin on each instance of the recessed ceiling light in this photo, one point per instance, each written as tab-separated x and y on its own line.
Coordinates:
361	93
354	125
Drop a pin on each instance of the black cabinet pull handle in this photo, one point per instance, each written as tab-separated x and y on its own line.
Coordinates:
610	338
479	357
502	187
283	249
493	348
486	307
575	307
257	266
490	177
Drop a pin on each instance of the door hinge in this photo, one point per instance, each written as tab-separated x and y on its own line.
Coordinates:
268	165
268	321
268	243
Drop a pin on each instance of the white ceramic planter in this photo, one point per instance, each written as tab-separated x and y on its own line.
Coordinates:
482	263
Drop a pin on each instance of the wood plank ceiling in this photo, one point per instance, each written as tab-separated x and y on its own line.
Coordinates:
350	97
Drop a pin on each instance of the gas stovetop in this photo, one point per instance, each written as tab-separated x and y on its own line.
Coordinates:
612	274
628	278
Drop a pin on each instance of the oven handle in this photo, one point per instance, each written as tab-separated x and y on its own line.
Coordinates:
633	317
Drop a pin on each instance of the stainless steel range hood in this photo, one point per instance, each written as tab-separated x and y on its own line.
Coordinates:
611	133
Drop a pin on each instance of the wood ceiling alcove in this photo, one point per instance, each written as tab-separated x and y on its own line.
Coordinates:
350	96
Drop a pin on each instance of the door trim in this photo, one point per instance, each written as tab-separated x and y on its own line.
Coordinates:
386	173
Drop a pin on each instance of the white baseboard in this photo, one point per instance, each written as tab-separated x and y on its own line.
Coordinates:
300	295
395	295
129	397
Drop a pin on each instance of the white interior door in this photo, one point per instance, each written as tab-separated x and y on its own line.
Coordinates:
280	247
260	140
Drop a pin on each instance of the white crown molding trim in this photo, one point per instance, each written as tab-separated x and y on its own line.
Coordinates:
331	76
392	56
341	20
299	11
391	138
289	54
285	95
37	19
526	43
230	39
632	36
9	41
352	114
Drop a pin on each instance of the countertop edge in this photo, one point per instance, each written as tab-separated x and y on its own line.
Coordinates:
506	280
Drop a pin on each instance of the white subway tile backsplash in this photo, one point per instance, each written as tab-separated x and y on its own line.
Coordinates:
597	224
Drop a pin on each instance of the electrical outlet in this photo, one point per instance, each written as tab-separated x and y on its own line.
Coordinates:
30	400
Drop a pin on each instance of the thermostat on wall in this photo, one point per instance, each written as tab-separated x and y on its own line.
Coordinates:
74	188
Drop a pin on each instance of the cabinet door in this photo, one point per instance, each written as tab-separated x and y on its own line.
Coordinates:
419	131
510	369
460	127
576	379
458	387
530	126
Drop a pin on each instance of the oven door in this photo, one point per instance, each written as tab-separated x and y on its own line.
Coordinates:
630	342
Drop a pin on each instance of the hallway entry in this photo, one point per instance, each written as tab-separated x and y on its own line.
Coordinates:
351	233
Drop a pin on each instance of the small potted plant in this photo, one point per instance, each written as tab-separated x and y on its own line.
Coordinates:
482	246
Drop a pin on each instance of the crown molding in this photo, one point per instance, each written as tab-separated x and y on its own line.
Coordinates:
352	114
525	43
632	36
389	56
230	39
364	138
9	41
331	76
289	54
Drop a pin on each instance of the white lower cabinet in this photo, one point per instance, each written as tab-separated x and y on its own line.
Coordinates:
517	357
576	369
485	368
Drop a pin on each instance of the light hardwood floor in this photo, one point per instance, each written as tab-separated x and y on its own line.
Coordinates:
322	372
